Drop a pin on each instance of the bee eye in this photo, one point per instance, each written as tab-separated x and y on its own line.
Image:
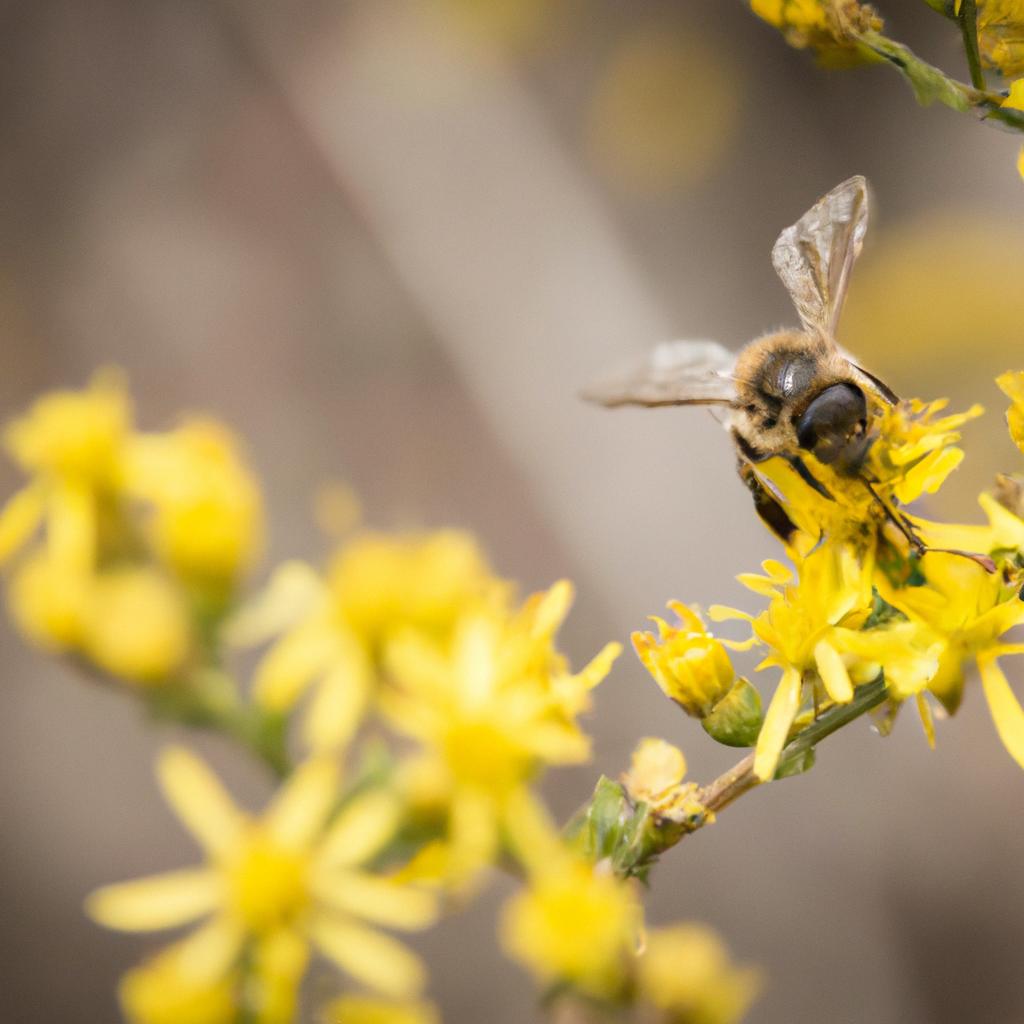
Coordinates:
830	422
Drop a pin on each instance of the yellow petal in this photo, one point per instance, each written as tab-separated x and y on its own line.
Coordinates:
292	594
369	956
160	901
927	722
832	670
534	837
19	519
71	527
376	899
1004	707
360	831
300	809
292	664
199	800
338	705
599	666
781	712
552	607
211	950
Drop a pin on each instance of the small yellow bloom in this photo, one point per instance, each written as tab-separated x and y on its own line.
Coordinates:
1001	35
685	972
202	504
799	630
687	662
655	778
175	987
48	602
574	923
287	881
75	434
491	709
353	1009
136	626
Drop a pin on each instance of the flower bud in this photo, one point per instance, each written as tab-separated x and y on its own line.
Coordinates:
687	662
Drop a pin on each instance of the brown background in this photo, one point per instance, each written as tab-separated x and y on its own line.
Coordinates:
387	242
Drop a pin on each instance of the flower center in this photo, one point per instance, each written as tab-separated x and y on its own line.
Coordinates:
267	885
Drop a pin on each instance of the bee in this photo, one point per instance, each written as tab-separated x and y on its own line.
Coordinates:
791	392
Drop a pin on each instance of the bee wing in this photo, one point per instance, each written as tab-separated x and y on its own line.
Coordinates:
814	256
673	373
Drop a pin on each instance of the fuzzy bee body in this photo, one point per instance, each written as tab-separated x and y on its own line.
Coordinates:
790	392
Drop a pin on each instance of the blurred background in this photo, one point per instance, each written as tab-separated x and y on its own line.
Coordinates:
388	242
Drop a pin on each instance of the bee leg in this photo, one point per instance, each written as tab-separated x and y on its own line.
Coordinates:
807	476
765	504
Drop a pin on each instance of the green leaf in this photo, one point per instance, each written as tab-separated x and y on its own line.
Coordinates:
797	764
929	83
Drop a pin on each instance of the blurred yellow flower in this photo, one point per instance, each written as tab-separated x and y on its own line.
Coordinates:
687	662
1012	385
490	709
574	923
75	435
378	587
201	503
685	972
360	1009
287	881
48	601
824	25
176	987
136	625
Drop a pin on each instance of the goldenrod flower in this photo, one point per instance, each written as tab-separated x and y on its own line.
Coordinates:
799	630
1001	35
575	922
968	610
287	881
136	625
202	505
378	588
655	778
823	25
685	972
687	662
491	708
360	1009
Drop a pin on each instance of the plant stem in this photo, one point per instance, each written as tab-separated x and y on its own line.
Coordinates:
969	29
740	778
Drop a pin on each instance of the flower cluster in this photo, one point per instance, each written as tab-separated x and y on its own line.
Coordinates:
123	545
875	594
427	700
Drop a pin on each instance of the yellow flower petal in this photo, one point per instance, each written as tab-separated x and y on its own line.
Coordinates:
369	956
361	830
338	704
1004	707
292	664
927	722
781	712
199	800
19	519
377	900
160	901
833	672
300	809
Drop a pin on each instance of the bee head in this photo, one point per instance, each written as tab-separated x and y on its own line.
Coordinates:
833	427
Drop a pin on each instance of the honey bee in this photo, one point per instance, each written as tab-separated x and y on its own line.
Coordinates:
790	392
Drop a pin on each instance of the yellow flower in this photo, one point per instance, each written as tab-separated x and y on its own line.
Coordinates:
287	881
688	663
353	1009
799	630
574	923
685	972
75	435
378	588
136	625
1001	35
969	610
490	709
655	778
828	26
201	503
175	987
48	601
914	453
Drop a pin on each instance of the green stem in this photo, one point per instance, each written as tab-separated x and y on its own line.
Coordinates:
969	29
